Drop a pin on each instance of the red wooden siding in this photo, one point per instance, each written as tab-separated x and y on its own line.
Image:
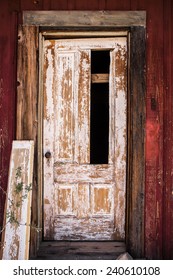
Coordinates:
168	131
159	104
154	140
154	128
8	37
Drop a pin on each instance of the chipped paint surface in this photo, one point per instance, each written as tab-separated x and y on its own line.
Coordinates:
119	91
48	139
83	201
16	237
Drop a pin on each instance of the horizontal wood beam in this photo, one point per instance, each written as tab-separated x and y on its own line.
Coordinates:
100	78
85	18
52	34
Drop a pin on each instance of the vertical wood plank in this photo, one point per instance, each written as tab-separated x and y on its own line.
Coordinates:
87	5
154	214
13	5
64	99
31	5
136	160
27	102
48	137
83	119
154	132
16	233
136	5
168	132
118	5
27	77
59	5
8	39
102	5
118	130
71	5
46	5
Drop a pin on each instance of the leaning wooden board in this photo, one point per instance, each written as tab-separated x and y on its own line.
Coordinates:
16	232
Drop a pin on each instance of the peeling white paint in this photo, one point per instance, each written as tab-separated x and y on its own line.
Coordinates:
16	237
86	201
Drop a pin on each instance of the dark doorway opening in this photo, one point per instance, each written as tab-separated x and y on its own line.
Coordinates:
99	134
99	138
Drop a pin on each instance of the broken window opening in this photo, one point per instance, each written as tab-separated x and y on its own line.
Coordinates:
99	134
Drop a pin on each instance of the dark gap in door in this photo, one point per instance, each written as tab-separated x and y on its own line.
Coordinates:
99	131
99	134
100	61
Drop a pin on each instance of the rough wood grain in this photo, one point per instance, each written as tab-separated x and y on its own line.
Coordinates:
83	100
86	173
66	250
100	78
85	18
134	229
83	34
118	73
69	178
168	132
27	103
16	236
27	90
155	64
136	165
8	39
154	134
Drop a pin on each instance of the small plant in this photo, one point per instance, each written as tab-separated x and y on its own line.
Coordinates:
20	193
18	172
11	217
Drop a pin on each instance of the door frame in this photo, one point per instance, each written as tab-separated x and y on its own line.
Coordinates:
35	26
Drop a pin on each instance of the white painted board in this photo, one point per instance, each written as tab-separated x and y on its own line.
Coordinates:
17	215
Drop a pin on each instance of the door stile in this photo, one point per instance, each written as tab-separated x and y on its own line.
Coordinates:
48	135
119	92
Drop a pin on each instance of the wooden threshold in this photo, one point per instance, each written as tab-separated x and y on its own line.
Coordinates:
78	250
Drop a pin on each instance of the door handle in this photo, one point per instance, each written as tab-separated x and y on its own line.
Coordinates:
47	155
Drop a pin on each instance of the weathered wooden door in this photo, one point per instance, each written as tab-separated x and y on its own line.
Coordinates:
84	138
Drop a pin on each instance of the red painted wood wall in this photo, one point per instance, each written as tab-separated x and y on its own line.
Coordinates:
159	105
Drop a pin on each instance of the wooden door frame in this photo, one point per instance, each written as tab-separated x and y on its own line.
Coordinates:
29	105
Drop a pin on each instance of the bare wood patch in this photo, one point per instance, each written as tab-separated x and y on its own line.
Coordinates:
100	78
84	173
27	91
83	116
16	234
